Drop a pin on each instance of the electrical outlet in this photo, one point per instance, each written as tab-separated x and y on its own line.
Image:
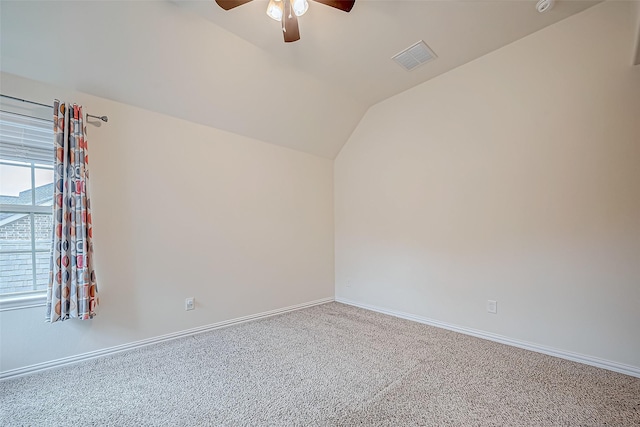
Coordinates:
492	306
190	303
348	283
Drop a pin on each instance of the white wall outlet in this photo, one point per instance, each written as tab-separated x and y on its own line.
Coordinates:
190	303
492	306
348	283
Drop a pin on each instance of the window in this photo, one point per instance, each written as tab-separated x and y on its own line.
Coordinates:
26	196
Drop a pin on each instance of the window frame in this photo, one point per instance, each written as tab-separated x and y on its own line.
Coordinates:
35	297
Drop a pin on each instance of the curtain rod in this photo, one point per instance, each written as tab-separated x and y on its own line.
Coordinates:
24	100
103	118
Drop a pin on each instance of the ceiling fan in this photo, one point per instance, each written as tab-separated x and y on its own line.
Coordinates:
287	12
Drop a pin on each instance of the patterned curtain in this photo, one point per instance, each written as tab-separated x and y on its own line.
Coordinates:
72	290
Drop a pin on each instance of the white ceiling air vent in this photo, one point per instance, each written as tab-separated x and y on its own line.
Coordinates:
414	55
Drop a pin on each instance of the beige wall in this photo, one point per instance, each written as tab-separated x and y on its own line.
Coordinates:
184	210
516	178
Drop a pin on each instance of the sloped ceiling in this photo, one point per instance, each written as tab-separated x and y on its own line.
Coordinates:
231	70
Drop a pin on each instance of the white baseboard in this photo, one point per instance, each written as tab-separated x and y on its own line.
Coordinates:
575	357
13	373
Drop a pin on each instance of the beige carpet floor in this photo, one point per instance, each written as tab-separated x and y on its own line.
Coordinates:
329	365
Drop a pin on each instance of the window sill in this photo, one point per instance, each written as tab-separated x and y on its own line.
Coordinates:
22	301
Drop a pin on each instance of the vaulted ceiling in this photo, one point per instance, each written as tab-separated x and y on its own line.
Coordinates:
231	69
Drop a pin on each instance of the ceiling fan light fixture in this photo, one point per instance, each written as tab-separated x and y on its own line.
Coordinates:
287	11
300	7
275	9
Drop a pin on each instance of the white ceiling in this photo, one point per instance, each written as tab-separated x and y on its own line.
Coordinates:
231	69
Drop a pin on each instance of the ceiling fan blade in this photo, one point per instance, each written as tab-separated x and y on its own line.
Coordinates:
230	4
345	5
290	28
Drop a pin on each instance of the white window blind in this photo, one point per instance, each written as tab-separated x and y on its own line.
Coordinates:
25	138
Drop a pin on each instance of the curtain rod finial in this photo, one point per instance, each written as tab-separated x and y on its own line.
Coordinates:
103	118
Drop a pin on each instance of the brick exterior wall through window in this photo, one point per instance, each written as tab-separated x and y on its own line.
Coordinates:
15	235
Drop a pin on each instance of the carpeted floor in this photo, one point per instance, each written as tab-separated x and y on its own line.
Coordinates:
329	365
